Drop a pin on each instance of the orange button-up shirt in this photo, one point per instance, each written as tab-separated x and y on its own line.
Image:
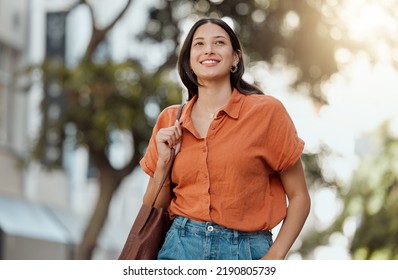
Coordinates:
230	177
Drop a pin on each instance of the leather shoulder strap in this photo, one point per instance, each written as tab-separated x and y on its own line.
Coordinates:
170	164
179	112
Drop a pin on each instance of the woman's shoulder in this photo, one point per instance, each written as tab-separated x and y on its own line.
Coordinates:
170	110
263	101
168	115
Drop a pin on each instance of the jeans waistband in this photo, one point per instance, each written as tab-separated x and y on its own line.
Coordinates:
211	227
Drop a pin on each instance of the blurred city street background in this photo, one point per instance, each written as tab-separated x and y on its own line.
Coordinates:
82	82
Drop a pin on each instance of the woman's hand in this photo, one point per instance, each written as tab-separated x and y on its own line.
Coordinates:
168	138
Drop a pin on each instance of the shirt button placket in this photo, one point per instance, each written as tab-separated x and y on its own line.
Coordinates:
205	175
205	172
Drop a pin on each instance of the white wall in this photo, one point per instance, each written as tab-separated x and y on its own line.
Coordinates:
13	22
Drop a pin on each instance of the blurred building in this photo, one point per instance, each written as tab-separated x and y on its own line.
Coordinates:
43	213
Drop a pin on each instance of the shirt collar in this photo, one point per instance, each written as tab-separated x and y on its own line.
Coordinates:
232	109
235	104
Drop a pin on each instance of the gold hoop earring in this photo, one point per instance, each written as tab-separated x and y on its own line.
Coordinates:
234	68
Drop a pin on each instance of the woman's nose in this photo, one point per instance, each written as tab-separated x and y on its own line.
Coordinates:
208	49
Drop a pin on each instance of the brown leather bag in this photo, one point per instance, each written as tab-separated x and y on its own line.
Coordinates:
150	227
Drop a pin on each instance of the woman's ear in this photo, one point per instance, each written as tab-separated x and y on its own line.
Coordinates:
237	56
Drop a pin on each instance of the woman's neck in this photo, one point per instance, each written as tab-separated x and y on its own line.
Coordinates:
214	97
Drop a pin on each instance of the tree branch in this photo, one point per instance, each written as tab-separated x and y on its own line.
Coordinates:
98	34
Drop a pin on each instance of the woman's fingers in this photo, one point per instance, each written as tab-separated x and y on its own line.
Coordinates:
179	134
169	136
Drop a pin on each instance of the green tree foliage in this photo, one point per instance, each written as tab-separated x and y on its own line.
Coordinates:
374	196
370	203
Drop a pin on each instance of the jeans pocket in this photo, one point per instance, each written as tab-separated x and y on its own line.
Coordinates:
167	251
259	245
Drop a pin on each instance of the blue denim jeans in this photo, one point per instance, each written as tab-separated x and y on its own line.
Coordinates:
191	240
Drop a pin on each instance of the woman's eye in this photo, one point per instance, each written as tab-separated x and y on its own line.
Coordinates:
220	43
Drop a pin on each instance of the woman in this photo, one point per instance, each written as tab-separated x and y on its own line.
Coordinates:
237	158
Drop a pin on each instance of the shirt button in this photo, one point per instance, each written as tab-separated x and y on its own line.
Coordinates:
210	228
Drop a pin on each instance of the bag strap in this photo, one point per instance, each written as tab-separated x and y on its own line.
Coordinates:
170	163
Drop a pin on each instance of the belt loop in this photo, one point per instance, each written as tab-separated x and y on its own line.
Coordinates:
236	237
184	221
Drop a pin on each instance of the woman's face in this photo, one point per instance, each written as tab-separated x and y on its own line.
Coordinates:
212	55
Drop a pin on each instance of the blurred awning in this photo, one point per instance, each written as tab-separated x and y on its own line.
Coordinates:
34	231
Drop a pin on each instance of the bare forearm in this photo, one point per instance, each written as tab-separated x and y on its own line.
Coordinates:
297	214
163	199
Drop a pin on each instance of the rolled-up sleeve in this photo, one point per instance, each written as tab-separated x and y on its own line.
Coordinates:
283	145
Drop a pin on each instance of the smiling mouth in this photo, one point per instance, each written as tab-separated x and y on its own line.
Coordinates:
209	62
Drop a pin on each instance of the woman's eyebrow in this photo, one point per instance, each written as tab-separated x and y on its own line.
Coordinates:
215	37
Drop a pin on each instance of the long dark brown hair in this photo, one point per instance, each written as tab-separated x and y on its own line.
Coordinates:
189	78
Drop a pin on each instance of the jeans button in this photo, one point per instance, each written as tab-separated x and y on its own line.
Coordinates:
210	228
